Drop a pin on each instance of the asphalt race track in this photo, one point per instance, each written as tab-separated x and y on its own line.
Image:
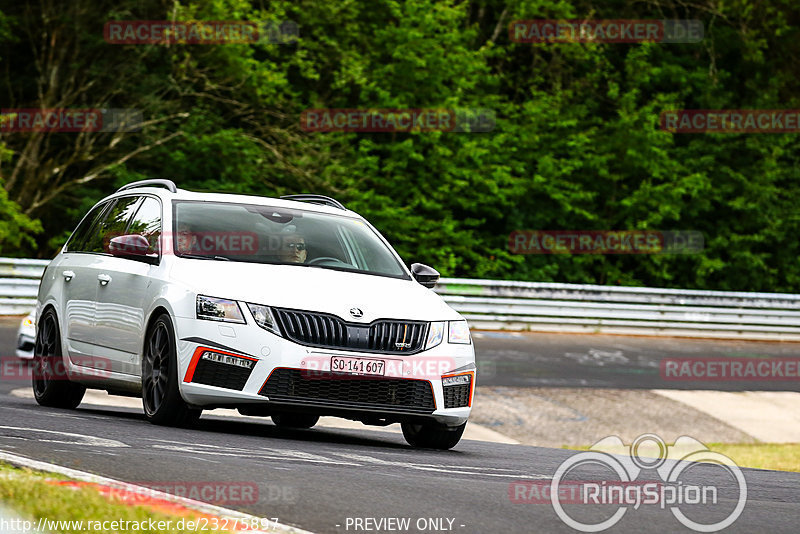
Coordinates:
605	361
323	479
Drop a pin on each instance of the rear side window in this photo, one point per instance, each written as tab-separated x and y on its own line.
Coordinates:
147	223
78	240
113	225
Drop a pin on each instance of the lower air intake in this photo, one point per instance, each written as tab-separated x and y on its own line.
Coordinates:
349	391
221	375
456	396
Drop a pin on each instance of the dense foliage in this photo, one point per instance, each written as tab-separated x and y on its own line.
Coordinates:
577	143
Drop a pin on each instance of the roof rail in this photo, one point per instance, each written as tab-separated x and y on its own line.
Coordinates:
155	182
316	199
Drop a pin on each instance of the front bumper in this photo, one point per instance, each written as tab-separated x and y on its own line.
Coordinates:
25	344
246	366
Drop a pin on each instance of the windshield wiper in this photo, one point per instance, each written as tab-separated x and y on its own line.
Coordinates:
201	257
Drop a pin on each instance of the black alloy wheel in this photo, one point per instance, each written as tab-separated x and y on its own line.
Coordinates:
50	380
161	398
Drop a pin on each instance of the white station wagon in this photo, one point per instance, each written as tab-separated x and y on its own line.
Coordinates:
291	308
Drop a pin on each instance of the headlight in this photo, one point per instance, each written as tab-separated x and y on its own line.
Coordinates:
458	332
435	334
263	317
214	309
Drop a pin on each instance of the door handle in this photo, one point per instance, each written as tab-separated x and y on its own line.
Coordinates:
104	279
68	275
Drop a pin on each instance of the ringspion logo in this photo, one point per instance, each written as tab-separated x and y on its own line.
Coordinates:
572	491
721	493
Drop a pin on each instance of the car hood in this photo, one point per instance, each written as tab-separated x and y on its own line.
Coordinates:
314	289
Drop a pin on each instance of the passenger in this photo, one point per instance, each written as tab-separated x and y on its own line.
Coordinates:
186	240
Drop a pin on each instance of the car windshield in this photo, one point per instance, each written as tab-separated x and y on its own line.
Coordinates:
224	231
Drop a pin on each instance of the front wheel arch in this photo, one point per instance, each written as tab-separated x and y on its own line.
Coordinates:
157	312
162	401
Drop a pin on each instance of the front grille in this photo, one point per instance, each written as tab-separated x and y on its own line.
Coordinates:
328	331
315	329
221	375
384	335
349	391
456	396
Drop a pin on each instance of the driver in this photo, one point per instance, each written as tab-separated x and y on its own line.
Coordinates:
293	248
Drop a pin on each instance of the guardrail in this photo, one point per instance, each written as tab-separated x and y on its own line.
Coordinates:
19	284
551	307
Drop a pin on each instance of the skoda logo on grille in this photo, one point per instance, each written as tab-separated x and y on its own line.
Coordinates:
355	312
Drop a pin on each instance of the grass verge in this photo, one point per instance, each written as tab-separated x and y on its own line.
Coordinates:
33	495
774	456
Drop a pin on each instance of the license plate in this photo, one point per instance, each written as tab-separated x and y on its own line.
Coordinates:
358	366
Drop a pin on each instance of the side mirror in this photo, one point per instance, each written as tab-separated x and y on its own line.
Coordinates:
427	276
131	246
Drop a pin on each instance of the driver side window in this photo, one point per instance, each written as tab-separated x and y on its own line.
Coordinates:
147	223
114	224
77	242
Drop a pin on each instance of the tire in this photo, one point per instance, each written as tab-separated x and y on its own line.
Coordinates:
432	435
294	420
161	398
51	385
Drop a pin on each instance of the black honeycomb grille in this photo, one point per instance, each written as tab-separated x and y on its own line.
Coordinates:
349	391
221	375
456	396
